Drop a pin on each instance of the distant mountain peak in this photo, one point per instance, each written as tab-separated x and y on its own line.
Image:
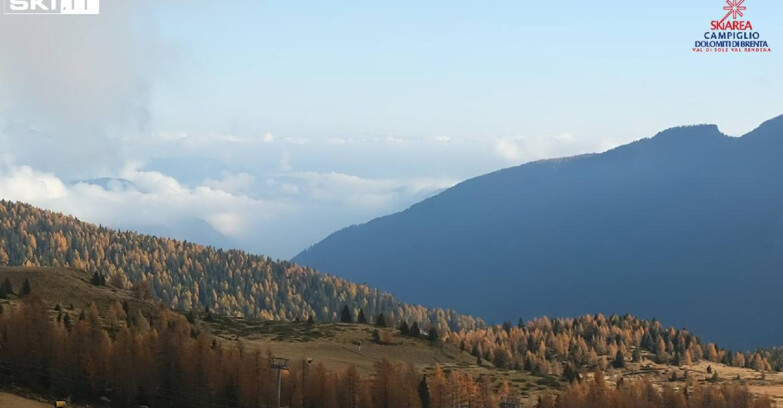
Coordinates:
694	132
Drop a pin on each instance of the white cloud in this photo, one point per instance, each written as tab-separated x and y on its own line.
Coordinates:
258	218
153	182
394	139
228	224
235	183
338	140
72	86
153	200
443	139
517	150
363	192
25	184
508	149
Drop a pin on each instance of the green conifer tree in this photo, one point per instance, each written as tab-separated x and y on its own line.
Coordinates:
361	318
404	329
345	315
26	287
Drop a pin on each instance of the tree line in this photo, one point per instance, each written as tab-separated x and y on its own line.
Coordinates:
563	347
596	393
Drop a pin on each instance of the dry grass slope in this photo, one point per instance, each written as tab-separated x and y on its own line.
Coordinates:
14	401
67	287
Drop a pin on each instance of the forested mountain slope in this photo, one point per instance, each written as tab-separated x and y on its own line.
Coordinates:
190	276
686	226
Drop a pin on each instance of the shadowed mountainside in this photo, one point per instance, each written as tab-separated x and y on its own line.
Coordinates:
686	226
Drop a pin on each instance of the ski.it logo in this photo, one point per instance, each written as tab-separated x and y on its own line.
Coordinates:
51	7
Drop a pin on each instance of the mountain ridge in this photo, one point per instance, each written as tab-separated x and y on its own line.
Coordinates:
689	201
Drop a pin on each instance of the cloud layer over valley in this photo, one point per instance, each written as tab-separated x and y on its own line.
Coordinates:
280	126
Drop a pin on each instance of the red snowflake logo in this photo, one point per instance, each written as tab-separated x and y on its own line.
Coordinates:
734	8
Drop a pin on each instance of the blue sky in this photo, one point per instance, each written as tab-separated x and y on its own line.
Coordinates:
268	125
465	68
